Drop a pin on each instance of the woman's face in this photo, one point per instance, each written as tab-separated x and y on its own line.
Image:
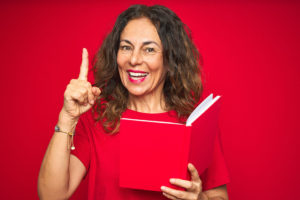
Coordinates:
140	58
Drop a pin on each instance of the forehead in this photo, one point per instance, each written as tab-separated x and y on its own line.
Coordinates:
140	30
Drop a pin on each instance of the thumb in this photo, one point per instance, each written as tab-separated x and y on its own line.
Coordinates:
194	173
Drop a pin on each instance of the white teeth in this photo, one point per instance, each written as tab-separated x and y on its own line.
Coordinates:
136	78
134	74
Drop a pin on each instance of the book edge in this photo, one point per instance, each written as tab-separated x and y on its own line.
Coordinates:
151	121
201	108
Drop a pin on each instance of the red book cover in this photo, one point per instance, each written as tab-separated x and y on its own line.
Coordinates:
152	152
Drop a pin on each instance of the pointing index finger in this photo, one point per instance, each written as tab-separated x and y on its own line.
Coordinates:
84	68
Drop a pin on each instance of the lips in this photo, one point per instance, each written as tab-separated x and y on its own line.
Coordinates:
136	76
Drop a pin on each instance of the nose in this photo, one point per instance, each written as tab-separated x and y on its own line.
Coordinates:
136	58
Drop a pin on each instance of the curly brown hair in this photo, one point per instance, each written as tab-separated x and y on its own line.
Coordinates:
183	86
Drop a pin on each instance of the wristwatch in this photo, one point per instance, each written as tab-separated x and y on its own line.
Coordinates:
70	146
57	129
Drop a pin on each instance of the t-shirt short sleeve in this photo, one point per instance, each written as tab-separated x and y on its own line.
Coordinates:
81	143
217	173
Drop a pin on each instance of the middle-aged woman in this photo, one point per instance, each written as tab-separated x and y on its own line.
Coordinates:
146	68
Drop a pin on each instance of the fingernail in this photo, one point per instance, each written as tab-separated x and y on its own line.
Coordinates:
162	187
172	180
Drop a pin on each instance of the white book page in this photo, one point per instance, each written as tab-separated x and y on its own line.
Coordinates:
201	108
194	115
151	121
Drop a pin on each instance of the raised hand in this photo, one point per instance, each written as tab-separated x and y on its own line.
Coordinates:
80	95
193	188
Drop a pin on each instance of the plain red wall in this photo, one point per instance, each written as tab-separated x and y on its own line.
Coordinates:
251	57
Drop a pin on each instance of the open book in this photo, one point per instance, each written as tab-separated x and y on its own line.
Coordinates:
152	152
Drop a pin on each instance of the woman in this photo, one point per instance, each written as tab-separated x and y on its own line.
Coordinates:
146	68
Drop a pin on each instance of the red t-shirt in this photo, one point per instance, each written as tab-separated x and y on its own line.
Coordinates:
99	152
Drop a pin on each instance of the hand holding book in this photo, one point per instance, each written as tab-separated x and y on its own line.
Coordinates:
193	188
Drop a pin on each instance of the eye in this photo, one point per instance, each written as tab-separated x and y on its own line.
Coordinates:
149	50
125	48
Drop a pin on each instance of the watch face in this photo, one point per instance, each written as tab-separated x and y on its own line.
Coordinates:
56	128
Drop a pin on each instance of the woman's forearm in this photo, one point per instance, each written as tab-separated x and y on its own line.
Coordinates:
53	181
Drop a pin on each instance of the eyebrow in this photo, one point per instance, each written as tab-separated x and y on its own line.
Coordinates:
144	43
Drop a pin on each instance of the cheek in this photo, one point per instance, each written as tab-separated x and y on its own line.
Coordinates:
120	62
157	68
122	74
155	63
119	59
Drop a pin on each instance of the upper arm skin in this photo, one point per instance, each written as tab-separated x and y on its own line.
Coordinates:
217	193
77	171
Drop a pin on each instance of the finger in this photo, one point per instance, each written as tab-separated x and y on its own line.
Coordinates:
78	90
80	94
176	193
169	196
86	107
91	97
189	185
84	68
194	173
77	96
96	91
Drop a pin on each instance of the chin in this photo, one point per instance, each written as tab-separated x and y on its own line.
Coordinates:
136	92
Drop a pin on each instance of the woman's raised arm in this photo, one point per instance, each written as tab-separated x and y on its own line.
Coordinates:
61	172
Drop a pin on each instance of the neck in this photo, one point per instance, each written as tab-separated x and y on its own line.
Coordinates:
152	103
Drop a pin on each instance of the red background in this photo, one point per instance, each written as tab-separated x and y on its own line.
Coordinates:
251	58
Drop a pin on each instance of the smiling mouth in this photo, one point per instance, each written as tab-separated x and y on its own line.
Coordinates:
137	77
